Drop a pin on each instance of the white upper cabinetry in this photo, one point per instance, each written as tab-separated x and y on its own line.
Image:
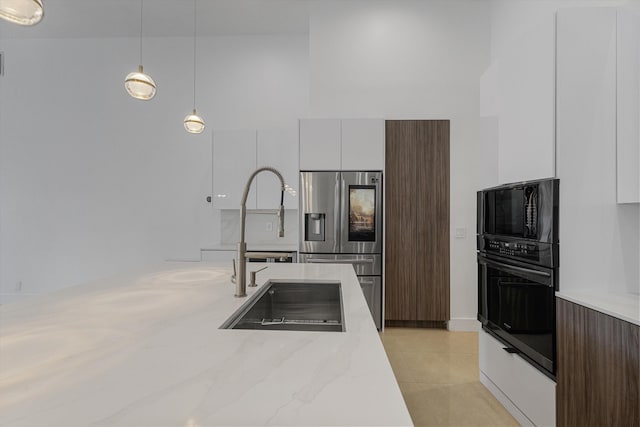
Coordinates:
234	159
598	101
278	149
320	142
333	144
238	153
517	105
628	107
363	144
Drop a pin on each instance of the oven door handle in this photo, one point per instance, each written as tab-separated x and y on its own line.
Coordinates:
339	261
516	268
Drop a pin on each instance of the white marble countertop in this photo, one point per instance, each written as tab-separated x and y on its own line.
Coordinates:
257	247
144	349
622	306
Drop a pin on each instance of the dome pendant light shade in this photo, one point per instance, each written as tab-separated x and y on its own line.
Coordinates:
193	123
140	85
22	12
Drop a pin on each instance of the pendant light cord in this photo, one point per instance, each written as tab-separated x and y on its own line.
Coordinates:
141	3
195	23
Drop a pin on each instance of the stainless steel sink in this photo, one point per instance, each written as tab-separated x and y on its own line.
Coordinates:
292	306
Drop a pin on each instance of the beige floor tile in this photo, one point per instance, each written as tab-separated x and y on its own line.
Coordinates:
429	340
438	372
436	368
454	405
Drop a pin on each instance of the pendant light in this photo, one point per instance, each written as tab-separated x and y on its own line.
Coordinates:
193	123
22	12
138	84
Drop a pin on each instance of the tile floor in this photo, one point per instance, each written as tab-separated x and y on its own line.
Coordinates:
439	378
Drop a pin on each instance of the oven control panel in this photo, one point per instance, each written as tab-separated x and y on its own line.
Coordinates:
540	253
523	250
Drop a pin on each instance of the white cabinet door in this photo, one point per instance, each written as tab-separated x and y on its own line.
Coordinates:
362	144
527	388
628	109
526	85
320	142
278	149
234	160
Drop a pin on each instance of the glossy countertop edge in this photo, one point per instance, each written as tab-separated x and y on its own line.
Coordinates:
145	349
622	306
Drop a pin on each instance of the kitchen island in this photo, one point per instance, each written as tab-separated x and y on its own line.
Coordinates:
145	349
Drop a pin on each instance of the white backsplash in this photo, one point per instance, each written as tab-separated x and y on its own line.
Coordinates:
256	227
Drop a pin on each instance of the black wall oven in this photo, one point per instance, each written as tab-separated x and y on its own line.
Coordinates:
517	268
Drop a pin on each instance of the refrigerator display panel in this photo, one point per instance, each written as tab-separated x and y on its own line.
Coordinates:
362	213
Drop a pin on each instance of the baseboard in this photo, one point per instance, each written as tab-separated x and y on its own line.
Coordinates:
432	324
505	401
464	324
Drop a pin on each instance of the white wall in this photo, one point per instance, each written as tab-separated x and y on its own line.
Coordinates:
93	182
411	60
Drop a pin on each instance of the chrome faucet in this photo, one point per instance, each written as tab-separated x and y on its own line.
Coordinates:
240	273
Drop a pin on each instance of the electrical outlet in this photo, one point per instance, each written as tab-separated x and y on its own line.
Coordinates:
461	232
269	226
19	286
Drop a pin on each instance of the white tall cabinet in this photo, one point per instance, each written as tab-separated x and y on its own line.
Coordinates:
348	144
589	141
277	148
238	153
628	107
234	159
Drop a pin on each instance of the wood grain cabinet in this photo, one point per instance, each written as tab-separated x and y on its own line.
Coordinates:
417	221
598	368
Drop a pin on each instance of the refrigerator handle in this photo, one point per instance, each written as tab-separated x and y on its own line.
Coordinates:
339	261
339	221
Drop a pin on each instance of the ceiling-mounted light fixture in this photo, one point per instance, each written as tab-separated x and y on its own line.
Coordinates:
138	84
193	123
22	12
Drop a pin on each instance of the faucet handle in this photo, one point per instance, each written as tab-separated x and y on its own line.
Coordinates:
281	221
233	277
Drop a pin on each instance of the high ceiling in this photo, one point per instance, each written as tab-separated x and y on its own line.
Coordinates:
168	18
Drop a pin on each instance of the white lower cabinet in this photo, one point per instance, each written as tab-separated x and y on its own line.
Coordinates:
525	392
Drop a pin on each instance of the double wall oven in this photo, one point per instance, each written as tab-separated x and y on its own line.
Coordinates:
517	245
341	222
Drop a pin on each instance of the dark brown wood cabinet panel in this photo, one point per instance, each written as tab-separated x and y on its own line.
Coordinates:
432	201
598	368
417	220
400	217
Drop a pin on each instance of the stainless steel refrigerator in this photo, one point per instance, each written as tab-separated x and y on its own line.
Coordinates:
341	222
